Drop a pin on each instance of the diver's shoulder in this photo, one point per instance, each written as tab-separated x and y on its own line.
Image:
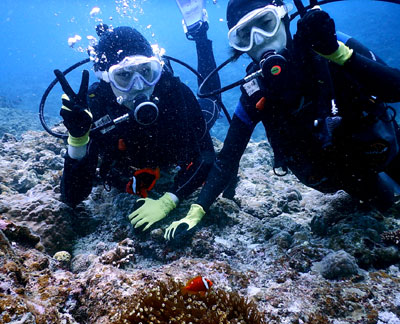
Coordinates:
94	89
100	91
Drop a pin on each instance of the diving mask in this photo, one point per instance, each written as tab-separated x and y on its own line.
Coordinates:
263	21
133	73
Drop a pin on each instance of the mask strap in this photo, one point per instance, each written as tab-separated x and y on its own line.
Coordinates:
102	75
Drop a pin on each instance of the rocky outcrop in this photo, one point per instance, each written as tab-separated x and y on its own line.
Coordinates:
299	255
16	118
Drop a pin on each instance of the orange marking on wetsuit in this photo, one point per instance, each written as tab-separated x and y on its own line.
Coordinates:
129	188
260	105
189	166
141	189
155	172
121	145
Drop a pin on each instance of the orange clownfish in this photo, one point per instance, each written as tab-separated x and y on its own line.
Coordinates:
197	285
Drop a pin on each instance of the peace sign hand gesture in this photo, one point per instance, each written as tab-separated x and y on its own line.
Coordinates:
74	111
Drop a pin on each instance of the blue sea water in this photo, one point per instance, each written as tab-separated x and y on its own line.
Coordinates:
34	40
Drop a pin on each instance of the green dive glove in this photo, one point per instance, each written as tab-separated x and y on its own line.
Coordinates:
152	211
341	55
193	217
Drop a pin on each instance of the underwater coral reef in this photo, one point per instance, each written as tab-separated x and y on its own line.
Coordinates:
278	252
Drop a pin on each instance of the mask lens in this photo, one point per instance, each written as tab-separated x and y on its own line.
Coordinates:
135	71
243	36
123	78
144	70
268	23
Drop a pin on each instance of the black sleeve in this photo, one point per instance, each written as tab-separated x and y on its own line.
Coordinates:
199	153
379	79
227	162
206	64
78	175
193	173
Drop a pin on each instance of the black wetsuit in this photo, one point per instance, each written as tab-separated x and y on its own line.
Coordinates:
179	137
356	154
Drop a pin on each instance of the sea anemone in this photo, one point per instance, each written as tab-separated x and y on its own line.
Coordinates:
165	303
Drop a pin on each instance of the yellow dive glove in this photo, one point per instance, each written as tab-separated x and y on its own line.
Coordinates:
341	55
192	218
152	211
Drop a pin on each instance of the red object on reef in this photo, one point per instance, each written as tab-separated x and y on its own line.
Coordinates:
197	285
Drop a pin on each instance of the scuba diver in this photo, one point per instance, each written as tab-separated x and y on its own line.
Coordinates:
167	126
322	97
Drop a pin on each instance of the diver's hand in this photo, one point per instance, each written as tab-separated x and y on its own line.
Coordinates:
193	217
317	30
152	211
74	111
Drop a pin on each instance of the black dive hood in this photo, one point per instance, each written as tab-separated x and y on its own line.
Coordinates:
276	62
